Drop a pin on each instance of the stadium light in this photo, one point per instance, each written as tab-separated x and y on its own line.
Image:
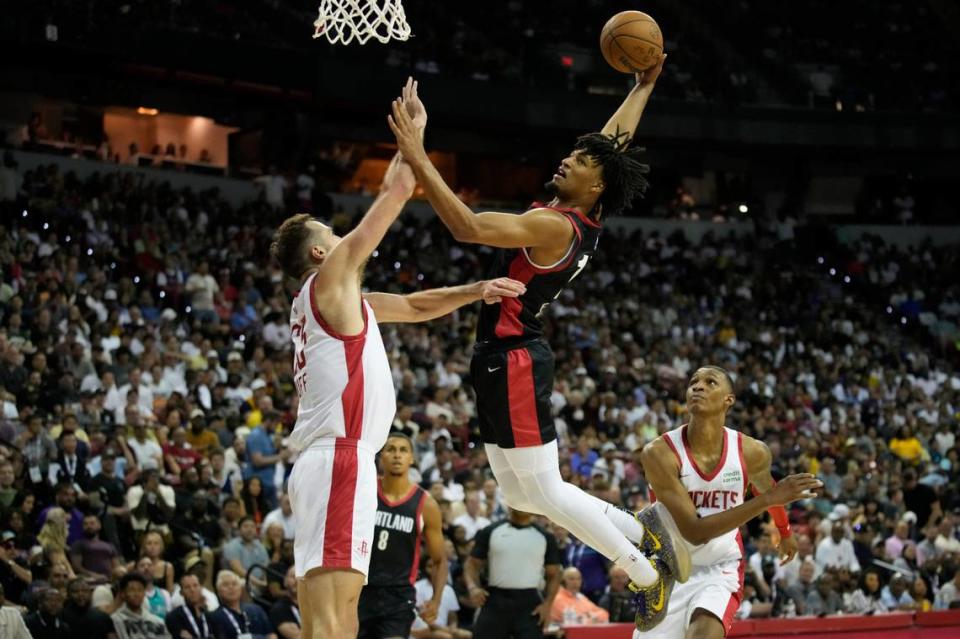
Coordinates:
743	208
147	111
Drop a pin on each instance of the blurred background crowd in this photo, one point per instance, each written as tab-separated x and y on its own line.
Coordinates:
147	396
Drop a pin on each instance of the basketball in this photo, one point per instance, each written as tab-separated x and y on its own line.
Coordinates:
631	42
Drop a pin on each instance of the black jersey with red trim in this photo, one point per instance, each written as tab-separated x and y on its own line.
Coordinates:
396	539
519	318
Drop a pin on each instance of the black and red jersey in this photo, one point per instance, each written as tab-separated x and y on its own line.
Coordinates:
517	319
396	539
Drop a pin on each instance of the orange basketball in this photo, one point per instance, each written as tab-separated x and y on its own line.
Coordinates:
631	42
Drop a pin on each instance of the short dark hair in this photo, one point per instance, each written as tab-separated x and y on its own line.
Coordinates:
129	578
288	245
723	372
245	519
398	435
624	175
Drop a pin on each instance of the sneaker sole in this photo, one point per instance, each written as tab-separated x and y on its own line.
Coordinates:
680	550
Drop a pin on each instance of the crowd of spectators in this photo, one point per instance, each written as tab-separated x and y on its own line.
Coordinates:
816	55
146	391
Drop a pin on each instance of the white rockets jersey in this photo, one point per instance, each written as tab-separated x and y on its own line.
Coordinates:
344	382
714	491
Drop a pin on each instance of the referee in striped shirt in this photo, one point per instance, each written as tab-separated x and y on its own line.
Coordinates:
518	555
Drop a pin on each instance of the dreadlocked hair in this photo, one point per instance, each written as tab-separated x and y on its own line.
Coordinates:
623	173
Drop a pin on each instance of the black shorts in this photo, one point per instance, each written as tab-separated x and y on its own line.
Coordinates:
513	387
386	611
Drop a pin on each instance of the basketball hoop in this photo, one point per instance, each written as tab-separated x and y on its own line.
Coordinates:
343	21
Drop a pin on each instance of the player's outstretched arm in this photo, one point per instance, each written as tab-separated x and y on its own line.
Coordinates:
627	116
426	305
661	469
539	227
433	533
397	187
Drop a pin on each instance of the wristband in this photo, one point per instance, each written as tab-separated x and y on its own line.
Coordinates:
779	516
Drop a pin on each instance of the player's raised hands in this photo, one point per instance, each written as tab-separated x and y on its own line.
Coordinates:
495	290
646	79
409	138
415	108
794	487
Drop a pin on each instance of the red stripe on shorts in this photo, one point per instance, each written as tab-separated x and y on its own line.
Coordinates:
338	526
522	399
735	598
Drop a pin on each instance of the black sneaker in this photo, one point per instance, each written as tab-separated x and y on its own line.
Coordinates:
662	539
652	602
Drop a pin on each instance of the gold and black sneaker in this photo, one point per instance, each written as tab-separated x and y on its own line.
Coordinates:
652	601
662	539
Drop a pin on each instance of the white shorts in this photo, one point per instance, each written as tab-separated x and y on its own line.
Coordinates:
718	589
333	494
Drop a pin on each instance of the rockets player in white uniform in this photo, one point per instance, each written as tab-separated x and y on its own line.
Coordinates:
347	399
700	473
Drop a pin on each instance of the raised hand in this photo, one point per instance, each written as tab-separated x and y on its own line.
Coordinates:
409	139
415	108
646	79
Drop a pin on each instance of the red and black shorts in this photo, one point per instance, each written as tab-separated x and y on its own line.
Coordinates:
513	384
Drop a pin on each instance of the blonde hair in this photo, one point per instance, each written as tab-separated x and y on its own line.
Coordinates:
53	535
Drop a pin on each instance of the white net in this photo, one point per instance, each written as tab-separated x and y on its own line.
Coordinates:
343	21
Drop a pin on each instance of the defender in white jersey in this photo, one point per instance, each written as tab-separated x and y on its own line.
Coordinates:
346	391
701	473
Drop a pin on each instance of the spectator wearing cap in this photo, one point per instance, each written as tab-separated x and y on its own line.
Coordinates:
213	365
473	520
836	551
609	467
15	575
201	439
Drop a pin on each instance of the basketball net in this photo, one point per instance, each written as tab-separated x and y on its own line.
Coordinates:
343	21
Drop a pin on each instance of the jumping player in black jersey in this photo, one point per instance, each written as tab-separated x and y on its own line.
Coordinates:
512	368
406	514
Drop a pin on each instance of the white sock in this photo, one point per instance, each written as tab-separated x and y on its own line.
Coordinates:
624	521
638	568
